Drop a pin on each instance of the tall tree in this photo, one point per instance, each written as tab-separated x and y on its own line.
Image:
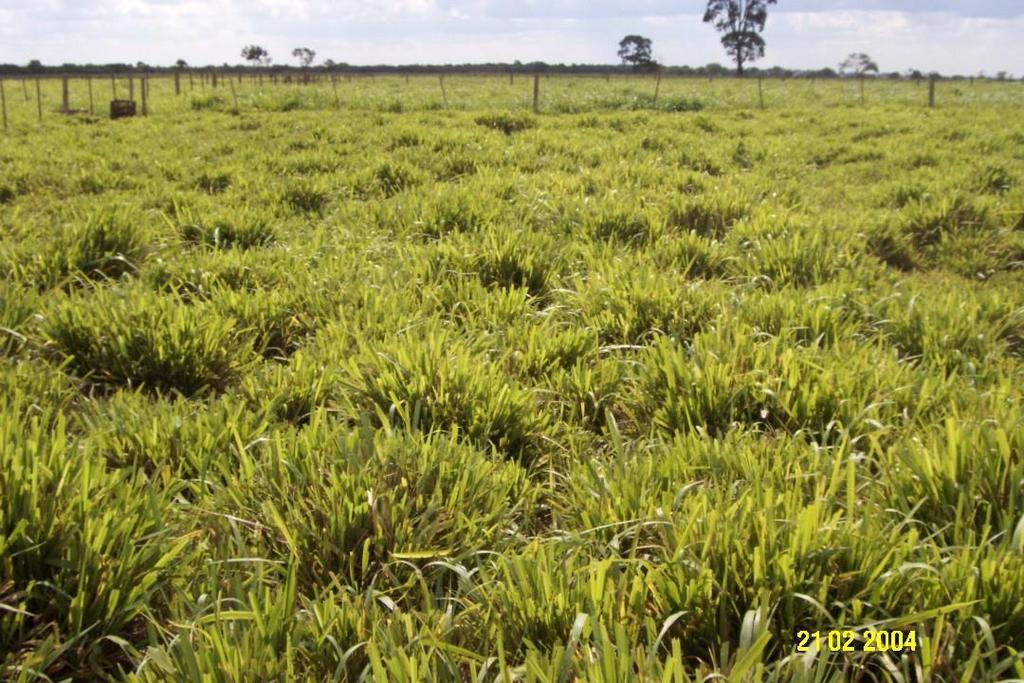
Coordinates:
636	51
740	22
858	64
256	55
304	55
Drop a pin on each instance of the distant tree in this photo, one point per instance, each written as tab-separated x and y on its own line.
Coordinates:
255	55
636	51
35	66
740	22
1001	76
304	55
181	64
858	64
330	63
713	69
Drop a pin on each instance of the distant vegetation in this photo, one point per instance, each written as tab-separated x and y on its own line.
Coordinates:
330	66
635	51
858	64
741	23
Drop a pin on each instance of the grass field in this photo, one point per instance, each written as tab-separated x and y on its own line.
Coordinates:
330	389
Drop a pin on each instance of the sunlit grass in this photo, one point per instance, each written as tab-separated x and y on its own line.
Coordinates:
355	387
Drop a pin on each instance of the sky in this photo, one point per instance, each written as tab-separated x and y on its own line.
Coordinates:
951	36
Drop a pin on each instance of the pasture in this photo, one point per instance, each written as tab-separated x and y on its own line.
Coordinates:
337	383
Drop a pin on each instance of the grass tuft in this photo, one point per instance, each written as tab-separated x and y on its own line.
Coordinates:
136	339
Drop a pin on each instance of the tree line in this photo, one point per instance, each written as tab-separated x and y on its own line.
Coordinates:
713	70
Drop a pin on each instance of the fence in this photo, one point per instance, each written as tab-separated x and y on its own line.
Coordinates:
177	92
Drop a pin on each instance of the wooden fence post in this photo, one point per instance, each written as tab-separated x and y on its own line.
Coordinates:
131	87
145	100
760	91
3	103
536	93
511	77
657	89
213	79
444	94
931	93
24	88
39	101
65	98
177	83
113	87
234	95
191	83
92	106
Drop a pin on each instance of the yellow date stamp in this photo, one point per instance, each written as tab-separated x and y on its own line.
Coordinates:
843	640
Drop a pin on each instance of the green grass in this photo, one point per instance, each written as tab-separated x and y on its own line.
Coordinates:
368	389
